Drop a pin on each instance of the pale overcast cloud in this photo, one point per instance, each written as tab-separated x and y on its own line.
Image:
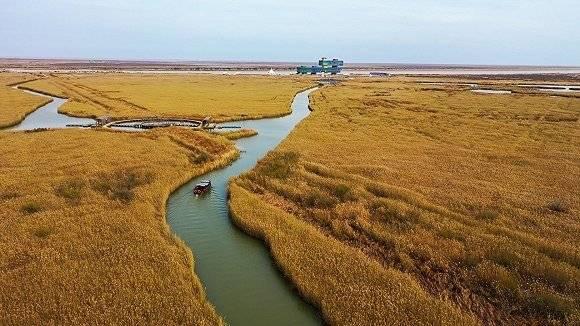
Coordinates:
478	32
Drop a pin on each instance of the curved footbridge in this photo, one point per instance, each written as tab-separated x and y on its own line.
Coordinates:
149	123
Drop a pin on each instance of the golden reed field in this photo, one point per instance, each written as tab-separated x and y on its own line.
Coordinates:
224	98
396	202
83	211
16	104
83	235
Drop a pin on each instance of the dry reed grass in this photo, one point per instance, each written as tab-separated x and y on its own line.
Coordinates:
83	235
240	133
472	197
349	288
224	98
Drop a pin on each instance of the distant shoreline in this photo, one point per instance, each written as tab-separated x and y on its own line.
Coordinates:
261	68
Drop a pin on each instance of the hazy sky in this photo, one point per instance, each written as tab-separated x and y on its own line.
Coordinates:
406	31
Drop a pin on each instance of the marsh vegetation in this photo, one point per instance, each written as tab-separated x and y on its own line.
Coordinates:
224	98
84	237
394	202
463	202
83	213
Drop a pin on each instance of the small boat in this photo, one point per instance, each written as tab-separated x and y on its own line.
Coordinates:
202	187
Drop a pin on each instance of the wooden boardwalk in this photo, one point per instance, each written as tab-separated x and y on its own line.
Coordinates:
150	123
156	123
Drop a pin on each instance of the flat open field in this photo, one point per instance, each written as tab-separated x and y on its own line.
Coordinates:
15	104
394	202
249	67
224	98
83	235
398	202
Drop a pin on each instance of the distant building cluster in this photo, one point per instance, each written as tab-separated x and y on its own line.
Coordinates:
325	65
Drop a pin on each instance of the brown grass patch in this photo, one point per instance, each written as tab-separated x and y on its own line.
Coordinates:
447	187
224	98
83	236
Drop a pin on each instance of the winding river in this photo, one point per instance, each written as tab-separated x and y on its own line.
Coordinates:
237	271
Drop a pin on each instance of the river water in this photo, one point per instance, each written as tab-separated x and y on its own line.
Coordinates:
490	91
239	275
47	116
236	269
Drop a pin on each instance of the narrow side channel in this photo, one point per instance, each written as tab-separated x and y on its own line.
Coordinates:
47	116
237	270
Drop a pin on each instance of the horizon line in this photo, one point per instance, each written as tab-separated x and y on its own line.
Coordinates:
246	61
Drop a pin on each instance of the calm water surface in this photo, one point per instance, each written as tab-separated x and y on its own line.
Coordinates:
490	91
236	269
48	116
